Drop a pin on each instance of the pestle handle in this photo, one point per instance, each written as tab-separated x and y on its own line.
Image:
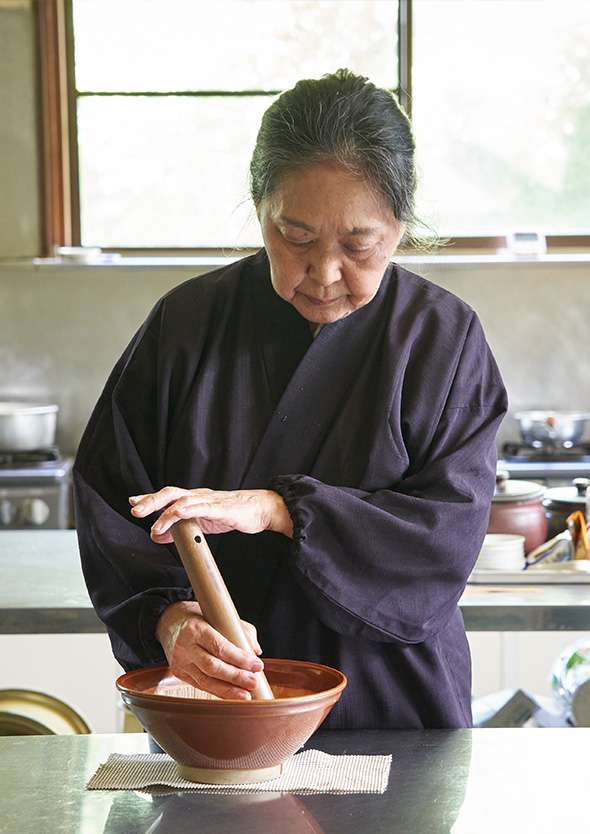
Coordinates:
211	592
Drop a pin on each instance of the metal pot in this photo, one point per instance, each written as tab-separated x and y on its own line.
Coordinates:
25	427
559	428
27	712
517	507
560	502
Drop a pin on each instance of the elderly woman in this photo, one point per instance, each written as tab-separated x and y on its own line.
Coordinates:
328	417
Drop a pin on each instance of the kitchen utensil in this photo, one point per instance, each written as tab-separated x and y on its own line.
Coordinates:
26	712
577	527
565	428
27	426
210	590
560	502
552	553
517	508
226	741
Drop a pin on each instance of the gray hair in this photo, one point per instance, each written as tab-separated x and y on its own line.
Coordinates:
340	117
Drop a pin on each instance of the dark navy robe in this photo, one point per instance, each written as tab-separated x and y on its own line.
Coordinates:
380	436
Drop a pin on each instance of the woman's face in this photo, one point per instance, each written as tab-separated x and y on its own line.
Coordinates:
329	239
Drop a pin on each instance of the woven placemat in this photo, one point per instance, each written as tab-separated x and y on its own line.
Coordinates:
308	772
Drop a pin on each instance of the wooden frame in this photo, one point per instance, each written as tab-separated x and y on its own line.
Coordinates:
58	146
58	164
404	54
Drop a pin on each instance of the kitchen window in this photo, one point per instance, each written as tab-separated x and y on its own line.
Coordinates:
150	111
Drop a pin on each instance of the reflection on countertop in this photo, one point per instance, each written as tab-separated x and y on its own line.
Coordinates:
464	781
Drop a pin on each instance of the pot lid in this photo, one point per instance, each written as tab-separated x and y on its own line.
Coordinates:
516	490
575	494
10	408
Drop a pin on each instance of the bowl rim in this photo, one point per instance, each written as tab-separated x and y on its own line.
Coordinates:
218	703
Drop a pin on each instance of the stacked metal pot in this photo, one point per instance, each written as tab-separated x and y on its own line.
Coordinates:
552	429
27	426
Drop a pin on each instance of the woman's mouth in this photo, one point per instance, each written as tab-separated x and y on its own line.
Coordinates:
319	302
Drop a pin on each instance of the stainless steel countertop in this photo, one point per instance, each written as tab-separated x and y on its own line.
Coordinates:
526	607
468	781
42	589
43	592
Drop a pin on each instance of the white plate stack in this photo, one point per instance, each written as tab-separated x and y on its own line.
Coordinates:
501	551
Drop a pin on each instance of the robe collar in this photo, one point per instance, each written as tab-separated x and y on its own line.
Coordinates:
309	377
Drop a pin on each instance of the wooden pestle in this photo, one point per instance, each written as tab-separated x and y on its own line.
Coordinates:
211	592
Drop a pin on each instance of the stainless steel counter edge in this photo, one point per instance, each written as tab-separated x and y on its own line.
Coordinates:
43	592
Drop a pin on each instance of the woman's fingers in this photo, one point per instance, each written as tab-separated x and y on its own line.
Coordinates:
176	504
143	505
209	665
252	636
211	674
200	655
216	511
196	678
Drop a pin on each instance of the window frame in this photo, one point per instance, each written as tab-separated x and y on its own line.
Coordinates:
57	140
58	145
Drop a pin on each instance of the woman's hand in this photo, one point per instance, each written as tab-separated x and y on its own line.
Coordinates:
216	511
201	656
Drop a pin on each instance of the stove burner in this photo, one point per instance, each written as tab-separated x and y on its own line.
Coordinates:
546	453
28	458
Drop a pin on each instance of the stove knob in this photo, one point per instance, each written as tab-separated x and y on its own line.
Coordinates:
35	512
7	512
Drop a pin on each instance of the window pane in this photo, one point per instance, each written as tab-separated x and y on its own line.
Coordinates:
167	171
172	171
173	45
501	111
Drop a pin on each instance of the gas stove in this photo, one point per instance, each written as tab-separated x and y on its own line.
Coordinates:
10	458
35	489
553	464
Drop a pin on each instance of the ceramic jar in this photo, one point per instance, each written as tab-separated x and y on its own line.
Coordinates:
561	502
517	507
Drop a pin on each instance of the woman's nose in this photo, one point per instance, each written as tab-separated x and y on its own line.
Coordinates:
324	268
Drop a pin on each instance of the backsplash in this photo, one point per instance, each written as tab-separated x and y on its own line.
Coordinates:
62	328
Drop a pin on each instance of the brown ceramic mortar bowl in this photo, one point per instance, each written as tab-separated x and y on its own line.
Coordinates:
226	742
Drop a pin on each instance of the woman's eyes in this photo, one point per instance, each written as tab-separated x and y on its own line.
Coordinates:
299	243
358	248
353	250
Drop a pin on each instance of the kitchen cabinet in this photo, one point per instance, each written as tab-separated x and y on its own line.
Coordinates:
50	637
517	632
516	659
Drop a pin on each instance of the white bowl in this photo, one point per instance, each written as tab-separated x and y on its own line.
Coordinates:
501	551
79	254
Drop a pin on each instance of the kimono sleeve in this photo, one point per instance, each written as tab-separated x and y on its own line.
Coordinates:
391	565
130	579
